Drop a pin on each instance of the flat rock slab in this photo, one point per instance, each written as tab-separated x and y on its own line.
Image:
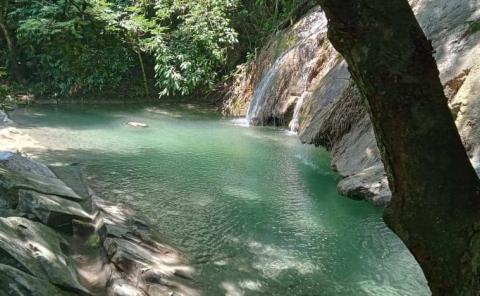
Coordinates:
18	172
74	178
51	210
20	164
39	251
18	283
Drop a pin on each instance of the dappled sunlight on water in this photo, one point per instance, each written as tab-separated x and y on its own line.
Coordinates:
256	211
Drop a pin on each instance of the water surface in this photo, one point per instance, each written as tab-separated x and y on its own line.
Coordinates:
255	211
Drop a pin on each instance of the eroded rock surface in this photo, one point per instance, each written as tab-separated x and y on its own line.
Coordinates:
16	282
39	251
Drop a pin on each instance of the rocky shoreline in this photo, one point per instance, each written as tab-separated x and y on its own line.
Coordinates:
57	237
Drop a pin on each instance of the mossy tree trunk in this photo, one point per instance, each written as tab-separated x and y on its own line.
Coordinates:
435	207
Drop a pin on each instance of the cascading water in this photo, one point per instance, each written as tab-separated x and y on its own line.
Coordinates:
295	122
297	62
261	93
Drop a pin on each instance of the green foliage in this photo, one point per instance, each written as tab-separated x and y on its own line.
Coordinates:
74	47
258	19
70	47
193	48
473	27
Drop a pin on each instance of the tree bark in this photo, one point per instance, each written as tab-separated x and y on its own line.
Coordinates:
144	74
12	54
435	206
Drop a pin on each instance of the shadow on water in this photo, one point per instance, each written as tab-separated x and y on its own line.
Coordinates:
76	117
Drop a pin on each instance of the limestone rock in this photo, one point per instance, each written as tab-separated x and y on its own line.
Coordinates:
19	283
23	165
39	251
18	172
51	210
156	268
370	184
37	260
72	175
121	287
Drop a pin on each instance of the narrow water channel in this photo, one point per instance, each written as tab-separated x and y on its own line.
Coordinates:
255	211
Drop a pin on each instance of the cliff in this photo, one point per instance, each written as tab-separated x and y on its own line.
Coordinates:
305	84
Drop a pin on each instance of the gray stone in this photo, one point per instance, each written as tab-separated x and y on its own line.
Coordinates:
122	287
73	177
51	210
366	185
150	265
14	282
4	119
18	172
22	165
39	251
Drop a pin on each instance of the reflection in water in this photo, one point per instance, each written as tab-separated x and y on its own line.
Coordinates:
256	211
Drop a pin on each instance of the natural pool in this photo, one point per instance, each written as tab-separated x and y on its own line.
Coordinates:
255	211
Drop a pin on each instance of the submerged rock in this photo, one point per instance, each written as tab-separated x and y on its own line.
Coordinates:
4	119
137	124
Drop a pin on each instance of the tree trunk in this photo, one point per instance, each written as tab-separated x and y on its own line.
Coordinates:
435	206
9	40
144	74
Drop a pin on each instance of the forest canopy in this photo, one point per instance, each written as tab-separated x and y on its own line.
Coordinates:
177	47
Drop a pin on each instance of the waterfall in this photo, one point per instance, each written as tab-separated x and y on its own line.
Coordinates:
261	93
290	71
295	122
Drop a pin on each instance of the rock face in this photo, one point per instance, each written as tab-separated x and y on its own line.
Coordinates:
58	238
311	79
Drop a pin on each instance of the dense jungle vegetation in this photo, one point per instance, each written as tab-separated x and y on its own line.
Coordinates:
72	48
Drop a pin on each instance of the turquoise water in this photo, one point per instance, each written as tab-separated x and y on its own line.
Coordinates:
255	211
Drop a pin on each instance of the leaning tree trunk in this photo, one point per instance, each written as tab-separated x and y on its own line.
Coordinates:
435	206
